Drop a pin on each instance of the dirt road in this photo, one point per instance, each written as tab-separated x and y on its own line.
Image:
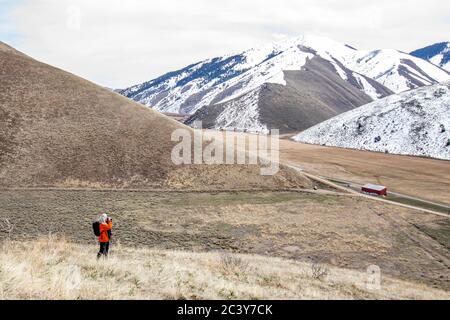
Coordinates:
417	177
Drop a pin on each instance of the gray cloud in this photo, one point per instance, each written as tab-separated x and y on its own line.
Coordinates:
119	43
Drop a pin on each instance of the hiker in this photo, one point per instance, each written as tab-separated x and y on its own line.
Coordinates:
105	226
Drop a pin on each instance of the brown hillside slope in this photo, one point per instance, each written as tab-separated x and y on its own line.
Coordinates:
57	129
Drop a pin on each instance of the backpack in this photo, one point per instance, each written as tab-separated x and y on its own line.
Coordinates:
96	227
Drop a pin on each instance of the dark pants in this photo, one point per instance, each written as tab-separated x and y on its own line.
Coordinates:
104	248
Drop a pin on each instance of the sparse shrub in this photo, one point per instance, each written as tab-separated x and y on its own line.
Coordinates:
319	271
230	263
6	226
270	280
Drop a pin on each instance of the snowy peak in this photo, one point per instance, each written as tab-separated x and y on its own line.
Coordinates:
395	70
415	123
376	73
438	54
310	95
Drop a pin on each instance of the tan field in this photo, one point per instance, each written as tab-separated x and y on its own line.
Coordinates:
52	268
424	178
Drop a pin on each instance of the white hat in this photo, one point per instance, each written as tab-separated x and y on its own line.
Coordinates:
102	218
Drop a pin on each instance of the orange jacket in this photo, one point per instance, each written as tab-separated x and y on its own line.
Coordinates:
104	231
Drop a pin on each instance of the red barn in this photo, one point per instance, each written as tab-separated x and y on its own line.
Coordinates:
374	189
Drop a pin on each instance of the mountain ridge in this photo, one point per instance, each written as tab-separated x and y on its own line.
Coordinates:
438	54
309	96
230	79
294	52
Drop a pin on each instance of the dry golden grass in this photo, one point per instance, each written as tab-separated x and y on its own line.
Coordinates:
52	268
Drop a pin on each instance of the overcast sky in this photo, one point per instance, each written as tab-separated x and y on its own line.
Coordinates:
118	43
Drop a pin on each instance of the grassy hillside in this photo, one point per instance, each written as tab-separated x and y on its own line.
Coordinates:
57	129
52	268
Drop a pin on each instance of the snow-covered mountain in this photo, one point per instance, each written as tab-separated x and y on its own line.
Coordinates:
416	123
309	96
238	81
438	54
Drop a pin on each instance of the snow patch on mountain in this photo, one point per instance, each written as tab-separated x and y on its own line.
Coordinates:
414	123
242	114
270	70
367	87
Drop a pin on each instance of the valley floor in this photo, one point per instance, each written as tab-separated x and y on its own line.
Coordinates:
424	178
427	179
340	231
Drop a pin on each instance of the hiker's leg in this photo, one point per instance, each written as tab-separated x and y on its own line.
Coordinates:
106	249
102	250
99	254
